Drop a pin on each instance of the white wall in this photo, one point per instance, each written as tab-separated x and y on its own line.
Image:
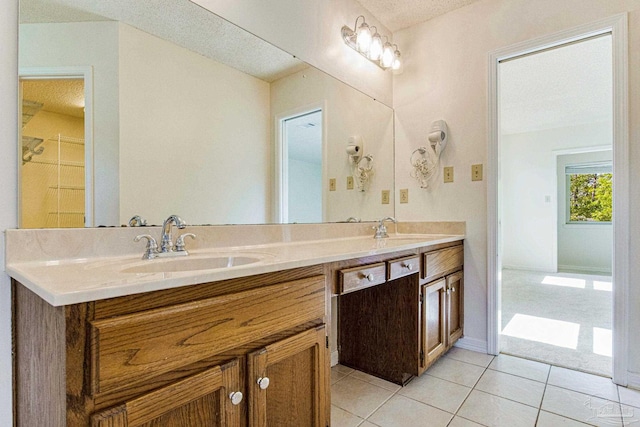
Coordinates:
310	30
88	44
446	76
528	175
585	248
348	112
203	125
9	187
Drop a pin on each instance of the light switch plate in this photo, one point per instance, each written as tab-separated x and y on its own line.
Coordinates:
404	195
385	197
349	183
448	174
332	184
476	172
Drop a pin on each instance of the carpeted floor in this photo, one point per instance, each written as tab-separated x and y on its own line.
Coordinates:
563	319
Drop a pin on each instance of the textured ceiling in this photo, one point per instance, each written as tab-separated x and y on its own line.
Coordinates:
567	86
63	96
180	21
399	14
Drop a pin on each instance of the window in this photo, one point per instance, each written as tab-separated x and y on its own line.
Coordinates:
589	193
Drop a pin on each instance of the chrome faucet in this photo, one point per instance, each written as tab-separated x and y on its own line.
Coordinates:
167	249
167	241
381	229
137	221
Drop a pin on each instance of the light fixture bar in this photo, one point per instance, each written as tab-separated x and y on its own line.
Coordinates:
368	42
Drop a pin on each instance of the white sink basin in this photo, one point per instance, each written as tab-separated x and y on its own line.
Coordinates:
188	263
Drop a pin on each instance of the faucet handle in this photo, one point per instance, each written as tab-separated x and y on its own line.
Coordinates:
180	241
152	246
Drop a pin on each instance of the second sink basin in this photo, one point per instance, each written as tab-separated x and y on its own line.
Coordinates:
189	263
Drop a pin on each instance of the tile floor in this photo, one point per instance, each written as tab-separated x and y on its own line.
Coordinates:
465	389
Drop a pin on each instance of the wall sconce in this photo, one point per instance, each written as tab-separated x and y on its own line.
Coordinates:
425	160
368	42
363	171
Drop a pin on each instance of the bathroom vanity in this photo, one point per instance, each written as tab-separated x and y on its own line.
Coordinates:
119	341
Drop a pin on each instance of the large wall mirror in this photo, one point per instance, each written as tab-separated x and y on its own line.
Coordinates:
155	108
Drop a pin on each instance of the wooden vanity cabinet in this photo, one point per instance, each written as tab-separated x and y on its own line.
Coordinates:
179	357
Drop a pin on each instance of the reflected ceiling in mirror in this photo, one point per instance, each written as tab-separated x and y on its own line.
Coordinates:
186	111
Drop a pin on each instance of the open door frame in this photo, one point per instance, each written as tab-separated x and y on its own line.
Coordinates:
85	73
617	26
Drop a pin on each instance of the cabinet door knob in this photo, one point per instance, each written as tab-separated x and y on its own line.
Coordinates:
236	397
263	383
453	289
370	277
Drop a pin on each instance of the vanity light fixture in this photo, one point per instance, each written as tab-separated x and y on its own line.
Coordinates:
368	42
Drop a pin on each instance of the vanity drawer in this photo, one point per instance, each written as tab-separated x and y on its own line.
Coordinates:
354	279
403	267
443	261
135	347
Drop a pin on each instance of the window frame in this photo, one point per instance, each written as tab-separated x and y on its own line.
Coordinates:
585	168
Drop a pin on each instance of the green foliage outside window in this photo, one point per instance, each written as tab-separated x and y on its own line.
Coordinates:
590	197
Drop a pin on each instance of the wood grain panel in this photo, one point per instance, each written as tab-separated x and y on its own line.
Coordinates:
354	279
438	263
403	267
150	300
40	360
434	336
297	369
378	329
455	321
128	348
198	401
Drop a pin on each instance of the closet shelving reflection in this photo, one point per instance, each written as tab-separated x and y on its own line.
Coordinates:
60	175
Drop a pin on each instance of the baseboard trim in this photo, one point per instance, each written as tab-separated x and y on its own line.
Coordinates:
334	358
472	344
633	380
526	268
584	269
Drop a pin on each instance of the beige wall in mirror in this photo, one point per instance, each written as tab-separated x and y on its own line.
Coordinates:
176	129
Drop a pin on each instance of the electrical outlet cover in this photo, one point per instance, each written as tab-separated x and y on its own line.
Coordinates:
448	174
404	195
476	172
349	183
385	197
332	184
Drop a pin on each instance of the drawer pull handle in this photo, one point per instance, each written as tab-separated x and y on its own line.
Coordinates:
408	266
263	383
370	277
236	397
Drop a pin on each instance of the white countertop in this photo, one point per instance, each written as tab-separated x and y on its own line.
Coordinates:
70	281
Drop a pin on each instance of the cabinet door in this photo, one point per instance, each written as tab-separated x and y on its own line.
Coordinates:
288	382
434	337
455	306
207	399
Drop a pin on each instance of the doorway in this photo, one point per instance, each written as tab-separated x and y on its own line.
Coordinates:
301	167
545	201
557	101
55	146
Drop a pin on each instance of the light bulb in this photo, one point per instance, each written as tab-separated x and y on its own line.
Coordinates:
397	63
363	40
387	56
375	51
